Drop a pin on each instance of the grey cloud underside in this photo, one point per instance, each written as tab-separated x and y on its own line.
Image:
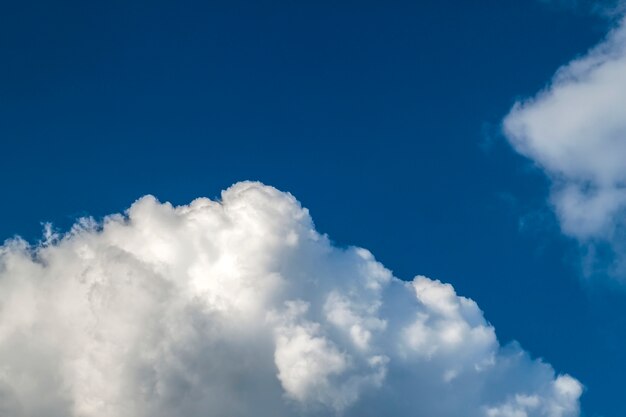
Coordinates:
240	308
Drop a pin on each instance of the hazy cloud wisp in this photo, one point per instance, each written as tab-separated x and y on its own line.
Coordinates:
576	131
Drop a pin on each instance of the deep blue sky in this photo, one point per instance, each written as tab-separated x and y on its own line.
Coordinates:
381	117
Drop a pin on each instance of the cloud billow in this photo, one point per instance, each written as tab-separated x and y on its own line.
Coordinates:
240	307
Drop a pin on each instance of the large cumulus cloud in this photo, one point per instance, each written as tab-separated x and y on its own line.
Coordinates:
240	307
576	131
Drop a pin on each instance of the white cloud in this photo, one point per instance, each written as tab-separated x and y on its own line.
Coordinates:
576	131
240	308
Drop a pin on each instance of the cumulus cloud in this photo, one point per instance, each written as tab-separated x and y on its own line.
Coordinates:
240	307
576	131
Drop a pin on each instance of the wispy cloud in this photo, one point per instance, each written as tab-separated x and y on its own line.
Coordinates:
576	131
607	8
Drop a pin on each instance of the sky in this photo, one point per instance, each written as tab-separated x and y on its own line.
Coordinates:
477	144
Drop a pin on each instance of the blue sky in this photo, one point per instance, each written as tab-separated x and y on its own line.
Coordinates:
382	118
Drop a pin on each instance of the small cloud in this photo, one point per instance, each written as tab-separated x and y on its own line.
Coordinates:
575	130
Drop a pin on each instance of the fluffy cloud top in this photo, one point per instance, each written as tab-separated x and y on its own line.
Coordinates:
576	131
240	308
